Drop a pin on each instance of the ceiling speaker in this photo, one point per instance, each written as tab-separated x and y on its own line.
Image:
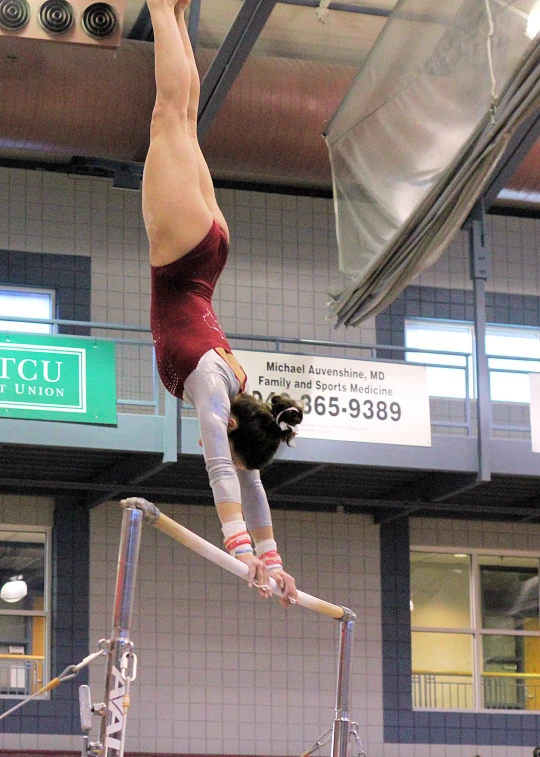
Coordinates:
99	20
14	15
74	21
56	16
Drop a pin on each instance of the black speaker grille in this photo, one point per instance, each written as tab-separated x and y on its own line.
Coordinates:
14	15
99	20
56	16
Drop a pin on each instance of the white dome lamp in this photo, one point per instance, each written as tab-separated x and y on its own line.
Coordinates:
14	589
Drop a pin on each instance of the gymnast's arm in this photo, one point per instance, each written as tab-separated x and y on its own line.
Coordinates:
236	492
207	391
259	522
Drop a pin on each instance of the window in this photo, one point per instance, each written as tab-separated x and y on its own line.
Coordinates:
26	303
509	380
475	631
24	610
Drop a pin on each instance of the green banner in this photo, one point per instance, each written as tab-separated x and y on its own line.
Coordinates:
57	378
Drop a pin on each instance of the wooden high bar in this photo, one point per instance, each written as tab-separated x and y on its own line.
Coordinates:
210	552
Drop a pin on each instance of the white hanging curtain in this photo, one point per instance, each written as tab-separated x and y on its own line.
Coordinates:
419	134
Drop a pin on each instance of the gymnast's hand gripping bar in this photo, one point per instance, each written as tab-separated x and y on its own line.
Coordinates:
186	537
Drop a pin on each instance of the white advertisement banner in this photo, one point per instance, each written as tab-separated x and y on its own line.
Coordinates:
535	411
347	400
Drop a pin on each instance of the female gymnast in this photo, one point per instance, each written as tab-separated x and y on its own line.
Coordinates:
188	239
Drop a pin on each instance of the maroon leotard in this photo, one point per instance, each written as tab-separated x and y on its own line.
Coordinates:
186	329
183	322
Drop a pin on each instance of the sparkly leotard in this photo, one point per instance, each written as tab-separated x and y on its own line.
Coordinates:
186	335
183	322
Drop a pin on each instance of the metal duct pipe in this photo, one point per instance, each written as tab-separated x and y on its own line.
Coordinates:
59	101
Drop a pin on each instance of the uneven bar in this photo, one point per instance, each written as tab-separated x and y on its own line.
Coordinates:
210	552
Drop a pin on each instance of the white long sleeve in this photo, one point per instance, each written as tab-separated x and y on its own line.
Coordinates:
254	500
210	388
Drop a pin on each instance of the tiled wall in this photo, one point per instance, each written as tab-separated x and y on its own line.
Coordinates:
283	258
514	245
427	532
453	304
25	510
282	263
222	672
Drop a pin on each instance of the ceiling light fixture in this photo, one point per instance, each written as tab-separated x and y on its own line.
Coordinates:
14	589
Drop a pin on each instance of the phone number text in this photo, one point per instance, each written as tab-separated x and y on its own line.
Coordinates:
353	408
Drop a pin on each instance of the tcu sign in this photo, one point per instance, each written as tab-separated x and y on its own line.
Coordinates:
57	378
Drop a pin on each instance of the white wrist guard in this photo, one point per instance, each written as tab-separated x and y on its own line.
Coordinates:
236	538
267	552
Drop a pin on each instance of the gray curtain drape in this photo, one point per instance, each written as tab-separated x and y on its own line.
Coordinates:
418	136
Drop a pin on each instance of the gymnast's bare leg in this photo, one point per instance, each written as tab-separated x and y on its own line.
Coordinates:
179	203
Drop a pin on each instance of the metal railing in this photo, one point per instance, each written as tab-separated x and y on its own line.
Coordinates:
135	362
511	691
509	426
454	691
139	388
442	691
20	675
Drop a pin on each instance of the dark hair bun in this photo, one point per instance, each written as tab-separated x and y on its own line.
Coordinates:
286	410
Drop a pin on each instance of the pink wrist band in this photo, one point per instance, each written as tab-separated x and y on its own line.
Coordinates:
271	559
267	552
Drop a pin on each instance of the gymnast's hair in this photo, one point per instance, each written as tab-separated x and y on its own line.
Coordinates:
262	426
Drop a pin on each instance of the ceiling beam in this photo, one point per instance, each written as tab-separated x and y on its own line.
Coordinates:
381	518
330	503
338	6
142	28
438	487
533	502
299	477
128	473
194	19
230	58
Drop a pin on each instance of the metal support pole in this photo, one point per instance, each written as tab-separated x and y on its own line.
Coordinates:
121	665
230	58
342	725
479	259
193	22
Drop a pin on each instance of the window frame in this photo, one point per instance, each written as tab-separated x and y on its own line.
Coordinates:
476	632
46	613
23	289
470	368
